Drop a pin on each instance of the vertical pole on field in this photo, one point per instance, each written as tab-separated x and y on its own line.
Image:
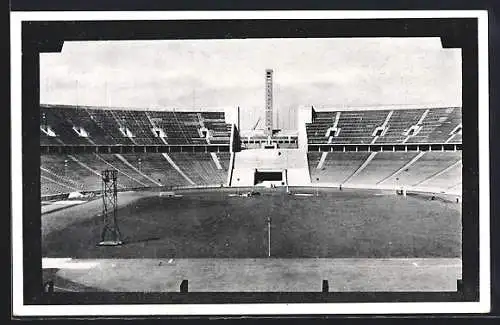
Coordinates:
269	236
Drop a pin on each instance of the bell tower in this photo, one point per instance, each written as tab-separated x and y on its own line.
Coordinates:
269	102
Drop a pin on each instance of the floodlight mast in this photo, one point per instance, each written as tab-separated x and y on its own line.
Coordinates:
110	235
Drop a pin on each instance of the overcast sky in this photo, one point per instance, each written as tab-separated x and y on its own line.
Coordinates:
228	73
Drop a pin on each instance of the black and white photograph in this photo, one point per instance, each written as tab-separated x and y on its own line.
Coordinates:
315	167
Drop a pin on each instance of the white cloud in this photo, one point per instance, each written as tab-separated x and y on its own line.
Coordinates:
225	73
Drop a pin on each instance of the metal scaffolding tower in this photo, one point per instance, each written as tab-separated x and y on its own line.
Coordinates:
110	235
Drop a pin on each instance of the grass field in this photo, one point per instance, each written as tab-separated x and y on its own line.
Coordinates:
333	224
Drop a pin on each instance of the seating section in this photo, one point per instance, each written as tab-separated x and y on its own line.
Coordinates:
357	127
337	167
157	168
128	127
436	170
200	168
427	166
399	123
65	125
66	173
382	165
438	125
447	179
224	159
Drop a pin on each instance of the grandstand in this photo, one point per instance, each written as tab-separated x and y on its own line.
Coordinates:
66	126
395	126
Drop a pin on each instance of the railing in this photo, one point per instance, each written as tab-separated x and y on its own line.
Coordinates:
123	149
378	147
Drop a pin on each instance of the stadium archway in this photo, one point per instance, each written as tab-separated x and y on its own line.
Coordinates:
269	177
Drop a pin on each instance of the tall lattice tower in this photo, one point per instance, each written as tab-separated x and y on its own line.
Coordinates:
110	235
269	102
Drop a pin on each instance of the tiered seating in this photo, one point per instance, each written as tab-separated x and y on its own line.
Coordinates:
442	132
98	164
457	138
399	123
156	166
49	186
426	166
60	123
179	127
224	159
215	123
132	170
357	127
46	140
99	134
63	169
140	126
316	130
200	168
382	165
66	173
103	126
385	169
448	179
337	167
438	124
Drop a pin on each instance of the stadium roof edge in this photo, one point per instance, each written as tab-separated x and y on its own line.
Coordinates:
381	107
136	109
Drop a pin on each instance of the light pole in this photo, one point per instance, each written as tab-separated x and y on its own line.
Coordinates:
268	236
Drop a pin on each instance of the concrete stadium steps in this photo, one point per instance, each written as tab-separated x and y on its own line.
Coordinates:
50	185
257	275
337	167
445	179
132	170
224	159
106	121
99	133
200	168
381	166
140	126
453	119
156	167
358	126
47	140
400	121
67	169
434	124
103	125
82	171
97	165
426	166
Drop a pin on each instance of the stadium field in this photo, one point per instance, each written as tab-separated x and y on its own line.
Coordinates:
327	223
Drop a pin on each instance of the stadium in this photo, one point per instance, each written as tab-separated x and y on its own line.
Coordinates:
368	199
